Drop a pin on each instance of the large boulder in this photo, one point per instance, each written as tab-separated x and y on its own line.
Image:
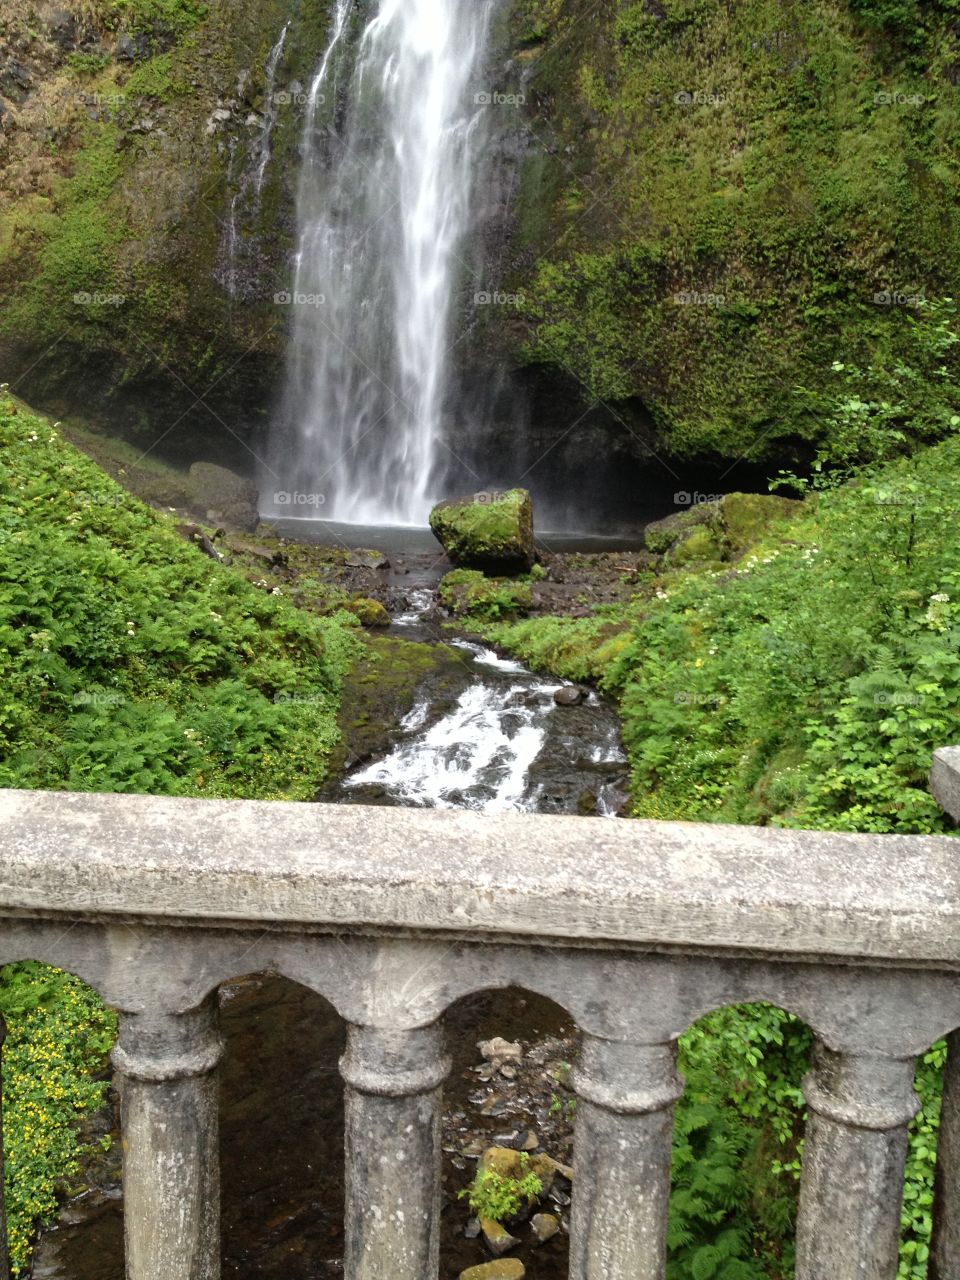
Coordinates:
224	497
720	530
488	531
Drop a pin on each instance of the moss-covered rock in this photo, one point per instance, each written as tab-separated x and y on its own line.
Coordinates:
720	530
488	531
370	613
467	593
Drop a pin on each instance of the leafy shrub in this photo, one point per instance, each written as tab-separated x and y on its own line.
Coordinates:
58	1036
468	593
498	1196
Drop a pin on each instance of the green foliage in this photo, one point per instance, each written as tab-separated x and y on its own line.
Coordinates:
498	1196
88	64
873	414
154	17
58	1034
468	594
736	1140
132	663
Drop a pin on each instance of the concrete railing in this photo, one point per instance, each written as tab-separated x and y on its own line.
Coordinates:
635	928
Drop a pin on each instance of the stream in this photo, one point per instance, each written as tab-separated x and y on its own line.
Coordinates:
491	737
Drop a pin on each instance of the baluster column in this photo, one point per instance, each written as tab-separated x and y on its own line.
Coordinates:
621	1159
171	1174
851	1191
4	1246
945	1245
393	1096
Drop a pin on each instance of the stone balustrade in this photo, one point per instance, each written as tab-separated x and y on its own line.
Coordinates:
635	928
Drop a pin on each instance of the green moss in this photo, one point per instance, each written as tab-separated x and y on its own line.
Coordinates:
491	531
370	613
467	593
728	256
719	530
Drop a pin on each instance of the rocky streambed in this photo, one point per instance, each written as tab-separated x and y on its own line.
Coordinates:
282	1139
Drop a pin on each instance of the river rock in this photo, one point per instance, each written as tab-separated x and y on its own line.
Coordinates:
545	1226
502	1269
367	560
571	695
721	529
500	1053
488	531
498	1238
221	491
271	556
371	613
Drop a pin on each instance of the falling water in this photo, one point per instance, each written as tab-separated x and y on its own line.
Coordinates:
384	204
245	202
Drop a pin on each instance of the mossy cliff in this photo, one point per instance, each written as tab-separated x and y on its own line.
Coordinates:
129	132
717	201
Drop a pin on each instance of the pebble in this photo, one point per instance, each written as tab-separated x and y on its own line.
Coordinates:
545	1226
571	695
498	1238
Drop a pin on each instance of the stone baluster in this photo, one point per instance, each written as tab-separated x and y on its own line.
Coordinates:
860	1106
393	1097
624	1128
171	1169
945	1245
4	1247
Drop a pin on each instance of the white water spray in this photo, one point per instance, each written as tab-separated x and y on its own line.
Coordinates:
384	205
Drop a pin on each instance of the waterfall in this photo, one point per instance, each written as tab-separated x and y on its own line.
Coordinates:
393	129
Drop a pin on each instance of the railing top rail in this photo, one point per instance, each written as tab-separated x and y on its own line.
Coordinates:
511	876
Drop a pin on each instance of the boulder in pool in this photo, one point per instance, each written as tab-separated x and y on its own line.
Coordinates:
491	531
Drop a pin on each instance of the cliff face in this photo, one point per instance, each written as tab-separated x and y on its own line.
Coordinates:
726	198
693	208
140	251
